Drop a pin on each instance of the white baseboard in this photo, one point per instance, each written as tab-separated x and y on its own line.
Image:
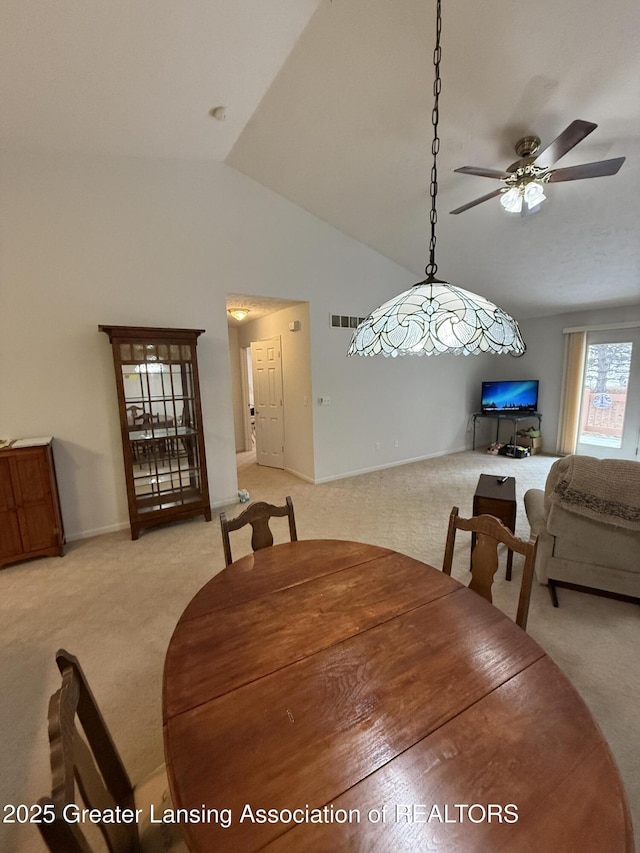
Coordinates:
234	499
304	477
389	465
124	525
96	531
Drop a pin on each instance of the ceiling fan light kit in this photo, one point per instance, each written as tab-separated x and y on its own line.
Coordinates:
525	179
531	193
433	316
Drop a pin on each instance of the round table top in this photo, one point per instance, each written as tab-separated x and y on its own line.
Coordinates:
330	695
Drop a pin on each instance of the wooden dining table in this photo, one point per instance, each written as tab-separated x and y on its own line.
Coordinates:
326	695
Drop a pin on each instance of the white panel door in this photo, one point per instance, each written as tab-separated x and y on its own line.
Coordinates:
266	365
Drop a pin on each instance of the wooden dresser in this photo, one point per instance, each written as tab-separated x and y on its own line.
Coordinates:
30	517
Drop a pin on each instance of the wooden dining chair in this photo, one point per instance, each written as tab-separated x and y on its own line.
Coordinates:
257	515
490	532
89	757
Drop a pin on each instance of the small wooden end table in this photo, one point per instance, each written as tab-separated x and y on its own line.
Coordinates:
498	499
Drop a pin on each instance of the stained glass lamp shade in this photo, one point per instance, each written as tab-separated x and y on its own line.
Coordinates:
434	317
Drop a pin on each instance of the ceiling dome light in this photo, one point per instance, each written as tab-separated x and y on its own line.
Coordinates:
239	313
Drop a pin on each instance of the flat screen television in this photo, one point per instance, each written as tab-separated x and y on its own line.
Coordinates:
511	395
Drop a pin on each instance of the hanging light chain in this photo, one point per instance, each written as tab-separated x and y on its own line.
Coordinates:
433	316
432	267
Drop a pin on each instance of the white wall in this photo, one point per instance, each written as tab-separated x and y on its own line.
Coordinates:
236	366
388	411
90	240
545	357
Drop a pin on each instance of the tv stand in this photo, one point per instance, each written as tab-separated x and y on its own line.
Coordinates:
514	417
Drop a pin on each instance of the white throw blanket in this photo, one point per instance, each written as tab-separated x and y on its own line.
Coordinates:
606	490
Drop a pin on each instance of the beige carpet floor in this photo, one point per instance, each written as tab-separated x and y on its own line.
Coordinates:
114	603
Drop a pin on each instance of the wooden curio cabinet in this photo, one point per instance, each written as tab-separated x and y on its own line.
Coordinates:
161	424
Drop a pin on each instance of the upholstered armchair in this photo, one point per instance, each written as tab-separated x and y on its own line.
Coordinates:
587	521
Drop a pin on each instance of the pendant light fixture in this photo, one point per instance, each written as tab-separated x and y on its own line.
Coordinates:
434	316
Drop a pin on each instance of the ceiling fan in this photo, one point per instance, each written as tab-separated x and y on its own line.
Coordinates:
524	180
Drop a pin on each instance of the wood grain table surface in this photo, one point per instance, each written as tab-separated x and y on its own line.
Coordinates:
325	695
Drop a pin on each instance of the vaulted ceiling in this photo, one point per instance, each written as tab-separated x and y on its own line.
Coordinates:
328	103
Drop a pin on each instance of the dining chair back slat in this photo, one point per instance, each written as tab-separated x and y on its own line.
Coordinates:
491	532
88	758
257	515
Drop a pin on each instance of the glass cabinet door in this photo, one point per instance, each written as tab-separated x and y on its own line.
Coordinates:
161	424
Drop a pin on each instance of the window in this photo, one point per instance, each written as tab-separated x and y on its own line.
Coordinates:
607	371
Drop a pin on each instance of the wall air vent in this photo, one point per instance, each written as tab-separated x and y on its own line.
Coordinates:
342	321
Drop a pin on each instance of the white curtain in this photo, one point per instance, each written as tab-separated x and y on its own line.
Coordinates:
575	349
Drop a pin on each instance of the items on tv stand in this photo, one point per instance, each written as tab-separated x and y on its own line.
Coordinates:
514	417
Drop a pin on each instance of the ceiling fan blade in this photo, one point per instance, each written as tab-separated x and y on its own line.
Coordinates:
587	170
478	201
567	140
483	173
